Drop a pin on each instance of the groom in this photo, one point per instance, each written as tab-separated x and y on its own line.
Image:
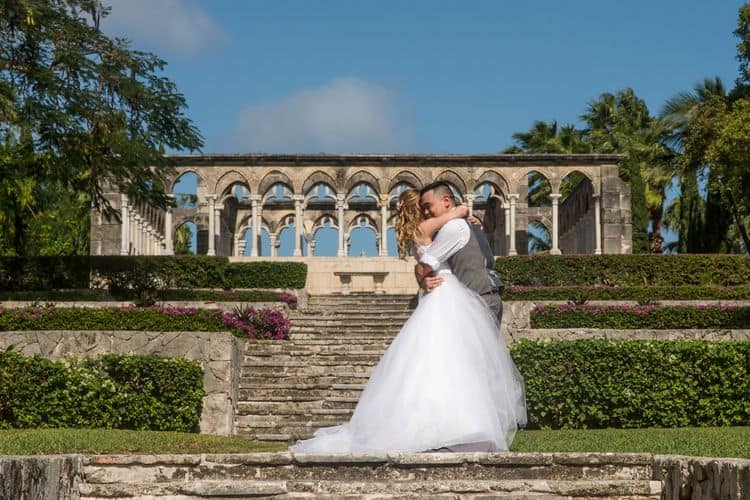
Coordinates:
464	246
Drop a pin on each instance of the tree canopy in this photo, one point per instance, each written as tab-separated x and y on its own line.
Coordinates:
79	112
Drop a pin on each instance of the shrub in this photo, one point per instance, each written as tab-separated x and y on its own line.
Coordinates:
112	391
573	315
625	384
152	319
625	270
267	274
639	293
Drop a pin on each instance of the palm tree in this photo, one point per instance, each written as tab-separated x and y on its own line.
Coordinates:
687	214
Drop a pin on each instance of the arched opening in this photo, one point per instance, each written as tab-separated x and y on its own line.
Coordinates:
249	239
539	190
185	190
286	237
325	238
540	240
185	239
362	196
576	226
363	239
489	208
394	193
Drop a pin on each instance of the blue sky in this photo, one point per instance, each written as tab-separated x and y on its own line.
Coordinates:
418	76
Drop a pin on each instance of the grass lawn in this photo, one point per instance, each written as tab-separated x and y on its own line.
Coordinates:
702	441
695	441
53	441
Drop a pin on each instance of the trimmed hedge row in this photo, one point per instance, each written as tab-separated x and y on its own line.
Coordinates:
194	271
112	392
625	270
178	294
643	316
245	322
630	384
639	293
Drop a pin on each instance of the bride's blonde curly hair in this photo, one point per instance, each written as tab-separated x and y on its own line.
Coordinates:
409	215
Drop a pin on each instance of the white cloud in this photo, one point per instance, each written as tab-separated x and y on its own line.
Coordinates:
171	25
347	115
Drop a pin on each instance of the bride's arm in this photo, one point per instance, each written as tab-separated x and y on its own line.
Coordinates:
428	227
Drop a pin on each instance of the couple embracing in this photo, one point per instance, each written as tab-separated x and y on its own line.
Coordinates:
447	381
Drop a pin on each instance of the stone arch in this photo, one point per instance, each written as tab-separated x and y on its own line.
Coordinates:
362	177
405	177
564	174
272	178
542	184
452	178
228	180
356	217
496	180
182	171
318	177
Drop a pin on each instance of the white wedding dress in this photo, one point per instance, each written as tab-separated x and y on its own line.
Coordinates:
447	379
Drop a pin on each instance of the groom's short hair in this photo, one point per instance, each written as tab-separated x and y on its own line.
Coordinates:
439	189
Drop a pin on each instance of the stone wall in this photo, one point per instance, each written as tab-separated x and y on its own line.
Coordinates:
42	477
702	478
220	354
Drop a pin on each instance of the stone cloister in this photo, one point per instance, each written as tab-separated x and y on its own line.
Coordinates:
271	192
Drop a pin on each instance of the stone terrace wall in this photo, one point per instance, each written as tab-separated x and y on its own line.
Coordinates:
41	477
702	478
220	354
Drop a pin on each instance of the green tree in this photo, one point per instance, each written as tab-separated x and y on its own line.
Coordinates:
183	240
80	112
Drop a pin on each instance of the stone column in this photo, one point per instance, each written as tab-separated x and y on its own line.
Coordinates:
241	249
168	243
132	227
512	246
385	199
555	250
469	197
217	227
310	247
597	225
211	231
125	228
274	250
298	207
506	211
255	199
340	205
137	235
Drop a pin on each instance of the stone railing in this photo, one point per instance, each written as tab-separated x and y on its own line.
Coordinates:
220	354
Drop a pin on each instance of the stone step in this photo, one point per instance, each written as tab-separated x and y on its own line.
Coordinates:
292	392
249	379
313	359
582	468
362	340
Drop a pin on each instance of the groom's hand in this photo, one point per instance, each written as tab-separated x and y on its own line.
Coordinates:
429	283
425	277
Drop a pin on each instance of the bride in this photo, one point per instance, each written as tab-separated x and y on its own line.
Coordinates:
447	379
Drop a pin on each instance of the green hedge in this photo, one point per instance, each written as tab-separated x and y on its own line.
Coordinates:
244	322
179	294
638	293
625	270
267	274
112	391
126	273
647	316
627	384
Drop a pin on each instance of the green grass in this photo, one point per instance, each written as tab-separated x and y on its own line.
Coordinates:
54	441
702	441
694	441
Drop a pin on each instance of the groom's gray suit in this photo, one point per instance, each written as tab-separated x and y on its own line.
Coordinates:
471	265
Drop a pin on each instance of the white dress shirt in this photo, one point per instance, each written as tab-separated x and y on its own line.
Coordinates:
451	238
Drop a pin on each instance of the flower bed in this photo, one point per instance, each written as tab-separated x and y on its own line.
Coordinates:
573	315
245	322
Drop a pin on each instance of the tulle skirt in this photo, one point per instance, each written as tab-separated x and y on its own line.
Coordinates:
447	379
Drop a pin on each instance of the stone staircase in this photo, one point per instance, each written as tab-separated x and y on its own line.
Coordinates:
432	475
290	388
